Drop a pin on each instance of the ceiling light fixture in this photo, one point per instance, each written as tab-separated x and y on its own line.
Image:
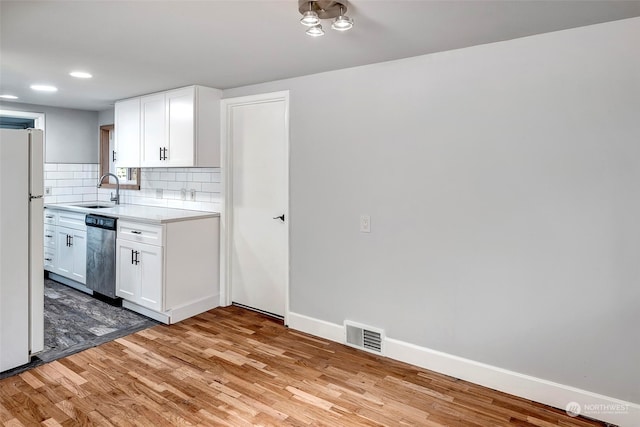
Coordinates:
315	31
309	17
313	11
44	88
7	96
80	75
342	22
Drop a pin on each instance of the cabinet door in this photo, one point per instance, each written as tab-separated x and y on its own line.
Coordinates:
79	256
150	276
127	272
127	133
64	264
180	117
153	121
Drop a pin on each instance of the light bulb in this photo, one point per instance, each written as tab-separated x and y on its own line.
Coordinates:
342	23
315	31
310	18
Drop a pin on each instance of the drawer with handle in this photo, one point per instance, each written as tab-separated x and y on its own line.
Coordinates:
49	237
140	232
50	217
49	260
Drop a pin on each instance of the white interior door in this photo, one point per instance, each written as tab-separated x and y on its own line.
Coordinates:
257	242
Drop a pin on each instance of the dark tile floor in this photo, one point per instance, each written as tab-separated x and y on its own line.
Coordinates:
75	321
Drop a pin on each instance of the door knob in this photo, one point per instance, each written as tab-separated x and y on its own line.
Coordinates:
281	217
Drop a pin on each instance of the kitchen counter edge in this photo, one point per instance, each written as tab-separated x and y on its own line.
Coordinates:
139	213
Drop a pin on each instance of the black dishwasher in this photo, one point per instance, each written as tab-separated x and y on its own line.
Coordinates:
101	254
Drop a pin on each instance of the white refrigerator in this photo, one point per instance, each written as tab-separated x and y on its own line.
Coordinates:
21	246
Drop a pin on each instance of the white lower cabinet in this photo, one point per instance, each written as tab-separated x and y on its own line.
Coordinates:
72	254
168	271
139	273
65	244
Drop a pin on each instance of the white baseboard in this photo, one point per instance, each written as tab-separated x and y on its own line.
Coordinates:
592	405
177	314
194	307
160	317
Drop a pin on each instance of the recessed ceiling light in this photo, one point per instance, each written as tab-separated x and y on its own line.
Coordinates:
44	88
8	96
80	75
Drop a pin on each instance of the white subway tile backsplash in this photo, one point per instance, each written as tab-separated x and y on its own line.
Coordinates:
83	175
211	187
167	176
84	190
77	183
69	183
175	185
61	191
69	198
58	175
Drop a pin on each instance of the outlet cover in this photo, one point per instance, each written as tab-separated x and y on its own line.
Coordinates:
192	194
47	191
365	224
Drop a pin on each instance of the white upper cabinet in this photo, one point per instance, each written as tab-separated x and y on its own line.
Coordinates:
127	133
178	128
154	130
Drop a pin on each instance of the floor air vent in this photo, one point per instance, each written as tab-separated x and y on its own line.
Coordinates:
364	337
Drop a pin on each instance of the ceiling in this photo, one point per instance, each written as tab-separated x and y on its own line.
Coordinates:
138	47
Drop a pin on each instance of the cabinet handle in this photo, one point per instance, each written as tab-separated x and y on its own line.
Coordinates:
160	153
131	256
48	259
48	235
70	240
136	232
137	260
165	153
113	156
48	216
67	240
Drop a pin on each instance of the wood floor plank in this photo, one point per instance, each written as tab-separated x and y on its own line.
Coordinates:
233	367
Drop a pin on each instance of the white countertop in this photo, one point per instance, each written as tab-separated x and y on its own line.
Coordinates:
150	214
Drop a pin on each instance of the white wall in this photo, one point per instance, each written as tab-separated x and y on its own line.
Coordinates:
106	117
71	136
503	184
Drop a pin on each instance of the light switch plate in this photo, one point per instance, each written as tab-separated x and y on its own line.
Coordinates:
365	224
47	191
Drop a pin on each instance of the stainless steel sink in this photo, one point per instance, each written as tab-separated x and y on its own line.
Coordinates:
94	206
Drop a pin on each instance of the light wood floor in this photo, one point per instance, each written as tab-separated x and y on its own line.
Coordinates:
233	367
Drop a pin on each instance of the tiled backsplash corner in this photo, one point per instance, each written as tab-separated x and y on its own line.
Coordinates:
71	183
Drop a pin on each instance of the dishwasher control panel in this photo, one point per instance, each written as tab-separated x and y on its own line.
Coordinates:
100	221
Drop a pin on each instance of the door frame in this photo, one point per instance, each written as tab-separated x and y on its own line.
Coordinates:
226	210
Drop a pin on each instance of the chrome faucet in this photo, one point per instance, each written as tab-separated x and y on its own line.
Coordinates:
115	198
